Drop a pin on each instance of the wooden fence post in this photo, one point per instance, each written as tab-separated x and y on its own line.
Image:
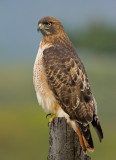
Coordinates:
64	142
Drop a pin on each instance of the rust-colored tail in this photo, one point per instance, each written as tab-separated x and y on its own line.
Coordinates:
82	143
85	138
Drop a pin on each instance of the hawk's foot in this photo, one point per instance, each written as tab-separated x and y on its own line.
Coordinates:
52	116
49	114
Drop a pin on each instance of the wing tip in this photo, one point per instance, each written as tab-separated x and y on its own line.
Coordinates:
97	126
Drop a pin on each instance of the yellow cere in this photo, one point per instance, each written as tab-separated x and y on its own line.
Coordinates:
40	24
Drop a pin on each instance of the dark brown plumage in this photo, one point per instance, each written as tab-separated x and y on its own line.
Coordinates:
66	78
65	83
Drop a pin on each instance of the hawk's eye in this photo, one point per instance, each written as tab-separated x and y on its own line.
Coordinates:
49	24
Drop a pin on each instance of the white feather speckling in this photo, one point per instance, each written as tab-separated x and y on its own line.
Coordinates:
44	94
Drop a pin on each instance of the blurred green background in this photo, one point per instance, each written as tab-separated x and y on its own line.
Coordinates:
91	26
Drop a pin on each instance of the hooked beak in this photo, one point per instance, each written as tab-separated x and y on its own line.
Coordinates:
41	27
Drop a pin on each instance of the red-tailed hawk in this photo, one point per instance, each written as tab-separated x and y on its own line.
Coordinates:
61	82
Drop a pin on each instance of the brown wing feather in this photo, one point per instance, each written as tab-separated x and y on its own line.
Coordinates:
67	79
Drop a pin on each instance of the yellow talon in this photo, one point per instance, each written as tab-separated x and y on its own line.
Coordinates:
52	116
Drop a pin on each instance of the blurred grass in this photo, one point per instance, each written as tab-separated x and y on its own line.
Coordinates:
24	133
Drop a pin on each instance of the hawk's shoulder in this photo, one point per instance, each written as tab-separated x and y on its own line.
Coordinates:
62	55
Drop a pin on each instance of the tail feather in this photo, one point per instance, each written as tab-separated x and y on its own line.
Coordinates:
97	126
85	134
87	137
82	142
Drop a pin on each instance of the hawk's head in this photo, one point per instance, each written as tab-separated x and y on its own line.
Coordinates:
50	26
